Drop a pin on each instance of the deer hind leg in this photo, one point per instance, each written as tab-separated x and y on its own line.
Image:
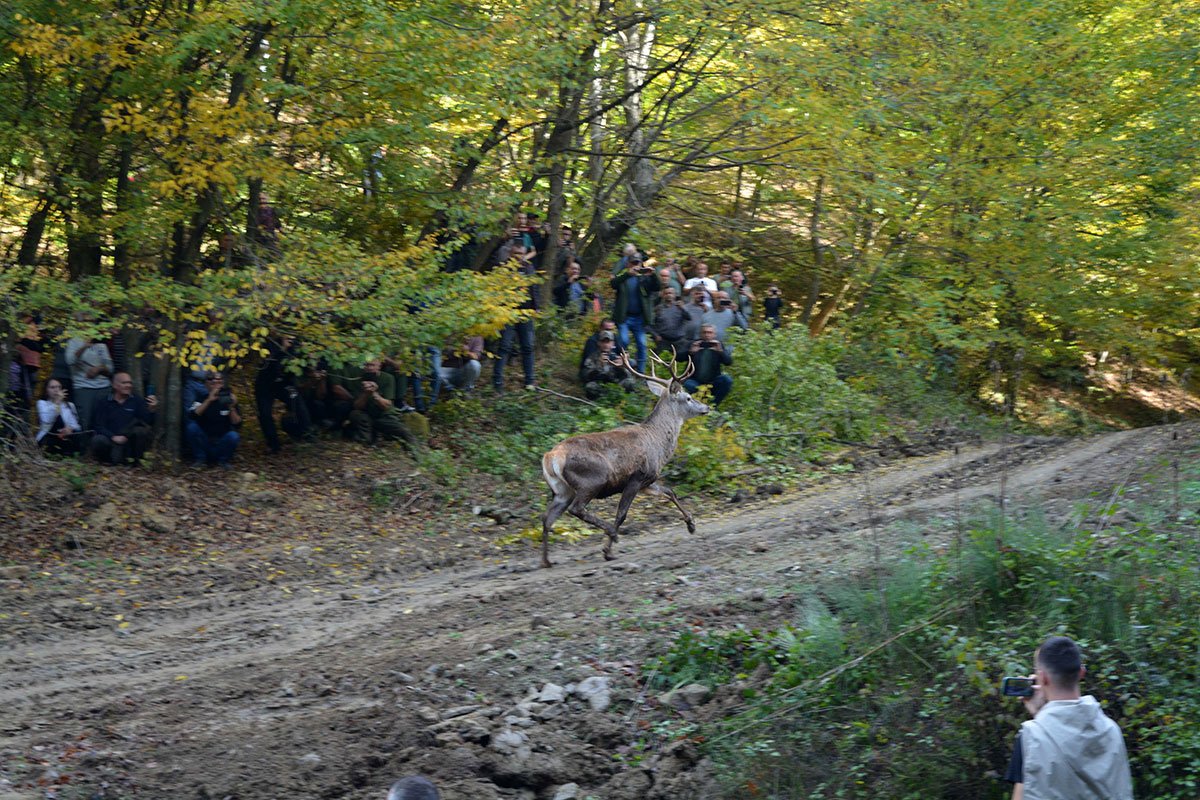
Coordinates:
658	487
579	509
553	511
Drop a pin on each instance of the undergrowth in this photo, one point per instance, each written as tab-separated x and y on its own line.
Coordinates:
887	687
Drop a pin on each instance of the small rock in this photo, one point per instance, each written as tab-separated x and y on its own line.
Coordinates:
740	496
685	698
428	714
309	761
568	791
596	690
757	595
460	711
770	488
513	654
538	621
158	522
760	547
552	693
436	670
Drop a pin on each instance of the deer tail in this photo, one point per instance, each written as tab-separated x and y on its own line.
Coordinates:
552	467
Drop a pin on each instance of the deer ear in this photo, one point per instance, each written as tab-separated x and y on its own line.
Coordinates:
657	388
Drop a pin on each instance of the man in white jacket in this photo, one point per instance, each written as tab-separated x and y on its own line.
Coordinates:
1070	750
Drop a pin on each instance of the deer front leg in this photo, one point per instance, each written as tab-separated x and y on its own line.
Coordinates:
658	487
631	491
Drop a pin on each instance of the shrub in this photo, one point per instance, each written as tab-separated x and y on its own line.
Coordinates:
785	381
887	687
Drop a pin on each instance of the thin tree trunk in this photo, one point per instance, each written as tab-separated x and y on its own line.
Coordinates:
814	238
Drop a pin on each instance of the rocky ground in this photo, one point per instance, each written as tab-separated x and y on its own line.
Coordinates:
286	634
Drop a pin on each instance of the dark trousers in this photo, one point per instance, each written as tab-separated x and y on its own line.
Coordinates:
137	439
70	445
328	413
367	429
521	332
721	385
219	449
295	422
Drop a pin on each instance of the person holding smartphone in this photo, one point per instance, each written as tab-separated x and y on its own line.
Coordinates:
709	355
1070	748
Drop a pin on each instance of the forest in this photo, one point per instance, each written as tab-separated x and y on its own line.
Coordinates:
982	216
959	182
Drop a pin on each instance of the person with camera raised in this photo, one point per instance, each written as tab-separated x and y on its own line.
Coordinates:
606	366
374	415
724	315
709	355
633	306
1070	749
211	424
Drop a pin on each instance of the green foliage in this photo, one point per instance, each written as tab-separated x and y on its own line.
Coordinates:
787	382
706	455
886	687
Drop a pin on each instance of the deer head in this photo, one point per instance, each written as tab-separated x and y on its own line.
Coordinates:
669	391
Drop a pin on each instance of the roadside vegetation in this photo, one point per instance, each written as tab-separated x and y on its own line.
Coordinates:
885	685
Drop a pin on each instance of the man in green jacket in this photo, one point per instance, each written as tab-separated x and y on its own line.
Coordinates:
633	308
374	415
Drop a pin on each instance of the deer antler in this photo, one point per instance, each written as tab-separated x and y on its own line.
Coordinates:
665	382
651	378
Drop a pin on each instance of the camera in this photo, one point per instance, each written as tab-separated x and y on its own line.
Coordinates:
726	303
1017	687
225	398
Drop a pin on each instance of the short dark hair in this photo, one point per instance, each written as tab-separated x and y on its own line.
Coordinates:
1060	657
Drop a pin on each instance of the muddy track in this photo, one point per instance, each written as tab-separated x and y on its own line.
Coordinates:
211	690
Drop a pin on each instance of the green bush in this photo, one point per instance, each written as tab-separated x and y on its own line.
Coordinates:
886	687
786	381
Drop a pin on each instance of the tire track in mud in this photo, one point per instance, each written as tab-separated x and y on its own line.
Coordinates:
166	642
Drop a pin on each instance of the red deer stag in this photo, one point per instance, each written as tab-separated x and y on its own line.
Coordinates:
623	461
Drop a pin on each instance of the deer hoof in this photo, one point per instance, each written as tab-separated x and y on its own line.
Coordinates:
547	563
691	526
608	556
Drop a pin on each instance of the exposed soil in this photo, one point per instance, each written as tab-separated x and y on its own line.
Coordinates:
224	636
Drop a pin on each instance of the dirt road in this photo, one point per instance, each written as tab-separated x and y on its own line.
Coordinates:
206	678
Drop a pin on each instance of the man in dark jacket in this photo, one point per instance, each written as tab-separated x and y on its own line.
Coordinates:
593	343
519	332
709	355
122	424
633	307
212	422
671	324
604	367
274	381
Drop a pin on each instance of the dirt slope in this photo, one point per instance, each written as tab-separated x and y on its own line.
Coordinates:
187	678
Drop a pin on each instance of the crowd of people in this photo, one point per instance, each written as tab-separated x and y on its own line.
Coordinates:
89	404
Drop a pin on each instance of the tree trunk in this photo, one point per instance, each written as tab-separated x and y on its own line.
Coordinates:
814	239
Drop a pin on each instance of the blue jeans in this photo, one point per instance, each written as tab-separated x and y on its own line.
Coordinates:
220	449
521	332
637	326
720	387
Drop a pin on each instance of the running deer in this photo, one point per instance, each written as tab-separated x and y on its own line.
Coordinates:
623	461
